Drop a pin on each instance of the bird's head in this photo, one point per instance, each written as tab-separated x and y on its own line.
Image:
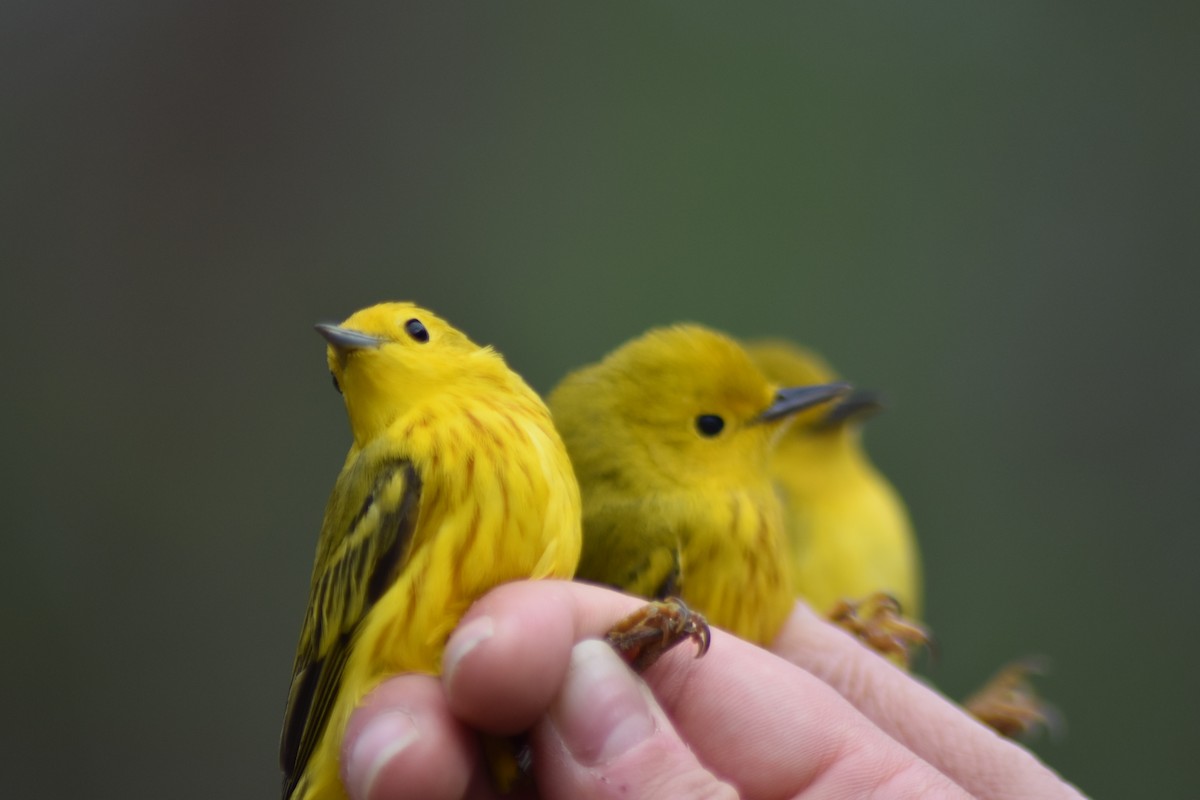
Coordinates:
683	404
386	358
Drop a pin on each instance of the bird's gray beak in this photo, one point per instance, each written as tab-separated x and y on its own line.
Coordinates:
797	398
346	340
854	407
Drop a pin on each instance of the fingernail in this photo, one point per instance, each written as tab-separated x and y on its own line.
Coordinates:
463	641
381	740
600	712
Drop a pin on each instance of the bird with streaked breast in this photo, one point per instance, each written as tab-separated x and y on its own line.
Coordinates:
456	481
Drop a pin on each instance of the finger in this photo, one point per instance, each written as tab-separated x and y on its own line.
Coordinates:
403	742
606	737
776	731
755	720
916	715
508	656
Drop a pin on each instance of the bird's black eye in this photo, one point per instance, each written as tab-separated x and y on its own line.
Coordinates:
709	424
336	385
416	330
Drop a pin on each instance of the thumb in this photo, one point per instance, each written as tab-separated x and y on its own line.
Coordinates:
606	736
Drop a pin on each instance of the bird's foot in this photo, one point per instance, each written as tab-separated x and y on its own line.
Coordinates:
1009	704
643	636
880	624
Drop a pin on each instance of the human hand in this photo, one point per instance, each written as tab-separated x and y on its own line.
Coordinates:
739	722
916	715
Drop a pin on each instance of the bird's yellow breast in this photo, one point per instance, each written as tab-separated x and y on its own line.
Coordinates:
848	531
734	561
499	502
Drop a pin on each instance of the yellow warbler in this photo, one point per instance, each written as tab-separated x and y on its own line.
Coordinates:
850	537
670	437
456	481
848	530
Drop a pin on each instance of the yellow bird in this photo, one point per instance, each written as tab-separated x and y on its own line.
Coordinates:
848	530
670	436
456	481
851	539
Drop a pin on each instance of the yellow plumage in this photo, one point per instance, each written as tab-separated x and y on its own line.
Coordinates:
670	437
456	481
848	531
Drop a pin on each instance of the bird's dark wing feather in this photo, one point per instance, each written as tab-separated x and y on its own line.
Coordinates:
364	544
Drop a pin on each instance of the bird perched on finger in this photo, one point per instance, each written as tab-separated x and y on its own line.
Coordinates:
849	531
671	436
456	481
852	544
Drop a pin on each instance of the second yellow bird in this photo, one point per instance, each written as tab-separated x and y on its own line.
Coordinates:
670	436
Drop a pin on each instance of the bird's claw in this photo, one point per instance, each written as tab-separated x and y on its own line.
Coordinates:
643	636
1009	704
880	624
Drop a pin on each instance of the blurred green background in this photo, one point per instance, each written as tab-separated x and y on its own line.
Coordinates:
989	211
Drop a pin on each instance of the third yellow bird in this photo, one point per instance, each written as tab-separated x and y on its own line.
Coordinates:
456	481
848	530
851	540
670	436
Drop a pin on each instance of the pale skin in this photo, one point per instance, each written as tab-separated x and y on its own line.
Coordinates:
820	716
